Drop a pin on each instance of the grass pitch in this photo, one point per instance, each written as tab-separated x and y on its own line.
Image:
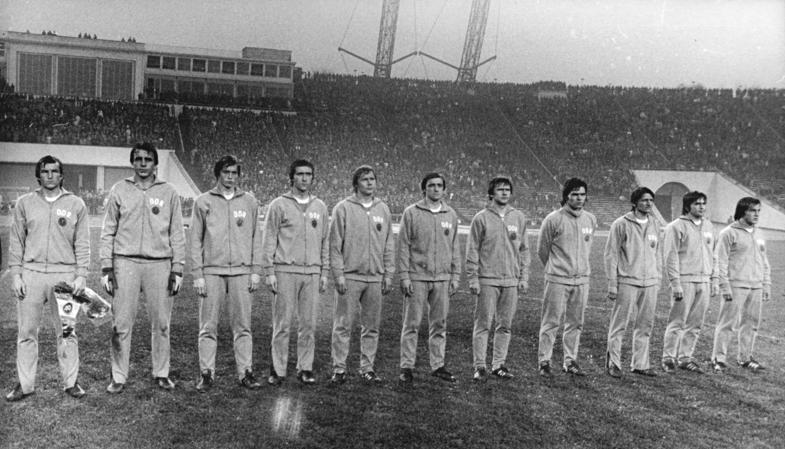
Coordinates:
737	409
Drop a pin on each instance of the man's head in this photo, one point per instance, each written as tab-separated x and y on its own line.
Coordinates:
500	190
144	158
49	172
642	200
227	172
574	193
364	180
301	174
433	186
748	211
694	204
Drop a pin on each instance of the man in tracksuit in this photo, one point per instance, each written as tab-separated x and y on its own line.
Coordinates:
497	266
295	260
563	247
745	280
688	248
633	256
361	260
49	243
226	255
142	248
429	263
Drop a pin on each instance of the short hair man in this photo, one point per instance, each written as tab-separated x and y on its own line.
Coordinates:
688	248
429	263
361	260
295	261
563	247
633	256
497	266
745	280
49	243
142	248
226	256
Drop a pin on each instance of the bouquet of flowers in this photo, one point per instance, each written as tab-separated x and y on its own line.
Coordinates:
95	308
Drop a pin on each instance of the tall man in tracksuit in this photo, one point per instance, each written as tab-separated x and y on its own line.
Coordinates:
633	264
226	264
429	263
497	266
745	280
361	261
688	248
49	243
295	262
142	248
563	247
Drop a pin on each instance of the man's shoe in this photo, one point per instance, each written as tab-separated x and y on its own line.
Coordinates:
691	366
668	365
115	387
16	394
76	392
306	377
752	365
614	371
502	373
442	374
274	379
573	368
371	377
648	372
164	383
480	375
719	366
338	378
205	381
406	376
545	369
249	381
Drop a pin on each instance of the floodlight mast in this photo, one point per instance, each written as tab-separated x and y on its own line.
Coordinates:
472	47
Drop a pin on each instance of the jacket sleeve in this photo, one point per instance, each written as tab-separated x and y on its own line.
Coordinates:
82	241
476	232
612	256
197	238
723	253
109	228
545	240
325	252
671	247
177	234
389	247
16	239
404	242
270	238
337	232
256	240
766	270
455	265
524	257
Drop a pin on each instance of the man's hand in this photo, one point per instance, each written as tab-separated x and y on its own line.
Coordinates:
453	287
727	297
253	283
474	286
199	286
407	288
715	289
386	285
766	293
175	282
340	285
108	281
678	295
20	289
322	284
272	283
523	287
79	285
612	296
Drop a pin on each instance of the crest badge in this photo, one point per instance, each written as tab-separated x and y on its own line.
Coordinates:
513	235
61	221
314	223
379	227
446	232
240	221
156	210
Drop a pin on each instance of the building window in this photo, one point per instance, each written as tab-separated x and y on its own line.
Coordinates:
227	67
257	69
242	68
214	66
184	64
271	70
199	65
168	63
153	62
285	71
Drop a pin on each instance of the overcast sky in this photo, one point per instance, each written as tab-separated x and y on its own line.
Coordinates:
716	43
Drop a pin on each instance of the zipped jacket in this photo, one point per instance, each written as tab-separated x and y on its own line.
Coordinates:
742	259
564	245
428	246
497	252
689	252
361	241
633	253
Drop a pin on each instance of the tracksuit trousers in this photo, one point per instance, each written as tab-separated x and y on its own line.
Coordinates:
297	293
565	303
366	296
643	301
685	321
499	304
434	295
740	317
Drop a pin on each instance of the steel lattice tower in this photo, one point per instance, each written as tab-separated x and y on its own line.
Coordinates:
386	45
472	47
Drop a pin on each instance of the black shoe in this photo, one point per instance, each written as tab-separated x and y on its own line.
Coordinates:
164	383
573	368
502	373
249	381
371	377
668	365
76	392
442	374
752	365
205	381
274	379
17	395
691	366
480	375
719	366
338	378
545	369
115	387
306	377
406	376
648	372
614	371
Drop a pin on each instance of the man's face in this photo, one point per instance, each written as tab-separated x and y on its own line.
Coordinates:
698	208
501	194
50	176
645	204
228	176
434	189
752	215
366	184
302	179
577	198
144	163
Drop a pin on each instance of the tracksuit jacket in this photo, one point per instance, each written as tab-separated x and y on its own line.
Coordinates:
152	224
50	237
225	240
742	260
361	241
296	240
633	253
497	253
564	245
689	252
428	246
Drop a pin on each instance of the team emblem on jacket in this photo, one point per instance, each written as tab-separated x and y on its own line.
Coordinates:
156	203
708	237
652	240
63	214
379	221
761	245
314	219
586	233
513	230
446	225
240	215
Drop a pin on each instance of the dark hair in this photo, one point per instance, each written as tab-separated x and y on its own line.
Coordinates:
743	205
428	177
146	146
48	159
571	185
638	193
298	163
226	161
360	171
689	198
496	182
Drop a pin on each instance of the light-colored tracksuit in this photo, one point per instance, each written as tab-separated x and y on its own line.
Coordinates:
225	251
563	247
633	264
143	241
361	251
296	251
497	255
689	265
429	256
49	242
744	273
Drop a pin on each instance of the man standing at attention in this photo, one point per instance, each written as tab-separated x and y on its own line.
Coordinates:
361	260
49	243
634	269
497	266
295	260
142	249
429	263
226	255
690	266
563	247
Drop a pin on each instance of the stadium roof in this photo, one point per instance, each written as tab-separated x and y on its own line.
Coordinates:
30	153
